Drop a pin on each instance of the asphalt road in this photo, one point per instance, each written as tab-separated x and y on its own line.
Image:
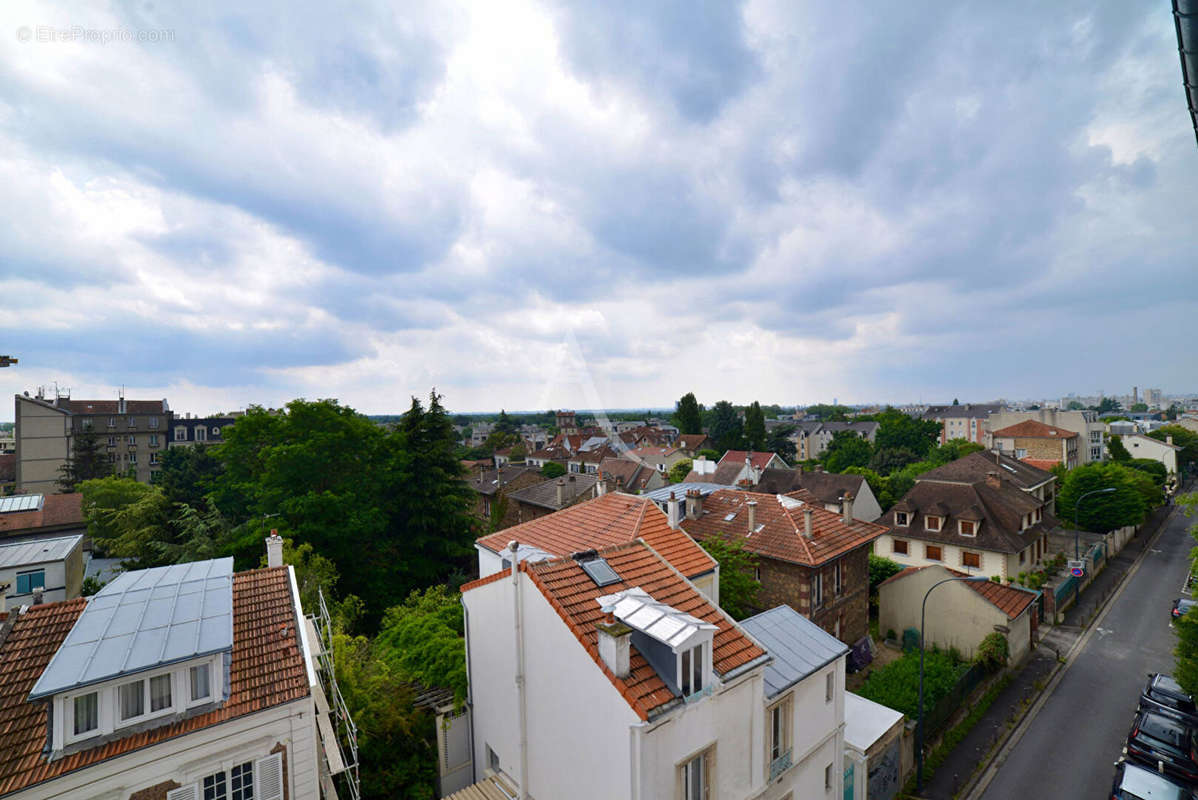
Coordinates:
1069	749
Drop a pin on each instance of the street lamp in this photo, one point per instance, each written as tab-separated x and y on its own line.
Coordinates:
1077	521
919	723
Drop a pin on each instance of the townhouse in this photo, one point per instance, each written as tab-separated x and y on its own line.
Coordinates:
735	468
1086	424
812	438
829	488
1038	444
968	422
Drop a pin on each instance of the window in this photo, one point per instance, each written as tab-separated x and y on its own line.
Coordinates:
200	686
112	441
132	699
112	458
967	527
160	692
971	560
932	552
133	458
87	713
1022	555
932	523
779	738
829	687
1020	452
28	581
696	778
838	577
153	423
899	546
201	433
757	574
153	440
215	787
492	759
215	431
154	458
902	519
180	433
241	781
86	425
132	422
817	590
828	778
112	422
691	677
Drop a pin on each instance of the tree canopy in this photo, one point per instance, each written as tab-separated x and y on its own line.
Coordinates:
847	449
1118	452
778	441
899	430
688	414
727	430
1126	505
85	462
738	585
1184	438
755	427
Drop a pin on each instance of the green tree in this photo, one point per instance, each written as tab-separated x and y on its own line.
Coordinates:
1186	670
1155	469
1118	452
1184	438
680	470
954	449
552	469
186	474
423	638
1138	408
127	520
755	427
887	459
738	586
505	424
688	415
880	569
1107	404
828	413
86	461
847	449
1102	512
899	430
727	430
1075	406
778	441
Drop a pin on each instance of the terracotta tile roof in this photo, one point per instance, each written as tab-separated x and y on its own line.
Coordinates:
758	460
976	466
573	595
653	451
58	511
781	527
1007	599
611	519
633	475
1001	511
1041	463
1034	429
692	441
267	670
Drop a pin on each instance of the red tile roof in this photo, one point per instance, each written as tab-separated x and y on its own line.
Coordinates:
1034	429
1042	463
691	441
573	595
782	535
58	510
614	518
267	670
758	460
1007	599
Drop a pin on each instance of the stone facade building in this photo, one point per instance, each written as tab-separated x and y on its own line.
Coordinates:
1038	444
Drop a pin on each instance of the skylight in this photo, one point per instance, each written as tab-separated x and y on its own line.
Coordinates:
637	609
21	502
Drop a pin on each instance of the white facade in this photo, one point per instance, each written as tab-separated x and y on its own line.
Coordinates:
1140	446
53	564
1004	565
816	736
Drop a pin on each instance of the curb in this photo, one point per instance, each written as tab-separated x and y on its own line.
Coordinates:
977	786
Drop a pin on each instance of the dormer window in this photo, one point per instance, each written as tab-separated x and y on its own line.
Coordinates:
967	527
933	523
86	710
902	519
691	671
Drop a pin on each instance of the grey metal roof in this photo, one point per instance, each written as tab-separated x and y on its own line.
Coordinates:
799	646
145	619
662	495
37	551
21	502
1185	19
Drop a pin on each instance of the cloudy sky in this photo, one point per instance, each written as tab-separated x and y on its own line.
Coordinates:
570	204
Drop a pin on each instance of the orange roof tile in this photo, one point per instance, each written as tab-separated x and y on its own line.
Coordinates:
781	533
57	511
573	595
1007	599
1035	429
1042	463
611	519
757	460
267	670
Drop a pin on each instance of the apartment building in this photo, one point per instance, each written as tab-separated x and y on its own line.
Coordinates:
188	430
1089	429
967	421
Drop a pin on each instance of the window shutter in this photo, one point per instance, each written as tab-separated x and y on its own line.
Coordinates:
191	792
268	777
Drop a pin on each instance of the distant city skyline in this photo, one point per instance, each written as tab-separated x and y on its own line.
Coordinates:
548	204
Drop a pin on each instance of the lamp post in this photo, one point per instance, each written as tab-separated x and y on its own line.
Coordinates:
919	723
1077	521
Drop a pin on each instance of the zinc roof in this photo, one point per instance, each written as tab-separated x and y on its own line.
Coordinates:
37	551
800	648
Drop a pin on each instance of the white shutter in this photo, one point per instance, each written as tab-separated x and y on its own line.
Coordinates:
191	792
268	778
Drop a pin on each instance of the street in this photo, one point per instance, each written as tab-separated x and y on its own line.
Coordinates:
1069	748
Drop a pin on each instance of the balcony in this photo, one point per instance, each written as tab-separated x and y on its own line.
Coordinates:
780	765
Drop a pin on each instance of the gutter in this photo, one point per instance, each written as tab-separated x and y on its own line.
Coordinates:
1185	20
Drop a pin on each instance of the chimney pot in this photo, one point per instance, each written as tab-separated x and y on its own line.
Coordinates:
694	504
561	492
808	522
993	480
752	504
38	594
672	510
274	549
846	507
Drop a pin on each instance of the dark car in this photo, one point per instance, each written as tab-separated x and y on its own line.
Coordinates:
1181	606
1134	782
1164	744
1163	695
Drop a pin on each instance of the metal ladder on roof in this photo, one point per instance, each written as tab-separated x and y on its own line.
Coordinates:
342	752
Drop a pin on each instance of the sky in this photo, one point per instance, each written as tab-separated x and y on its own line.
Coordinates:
534	205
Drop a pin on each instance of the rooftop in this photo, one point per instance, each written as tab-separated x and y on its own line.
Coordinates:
1034	429
976	466
1007	599
799	647
545	494
57	511
640	611
17	553
1001	511
144	619
866	721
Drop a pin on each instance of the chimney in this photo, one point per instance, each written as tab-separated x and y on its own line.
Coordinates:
601	486
37	596
121	404
672	510
614	638
993	480
752	504
274	549
808	522
4	587
1168	438
694	504
846	507
561	492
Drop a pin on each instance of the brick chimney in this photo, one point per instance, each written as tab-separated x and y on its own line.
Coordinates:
672	510
808	522
561	492
752	505
614	638
694	504
274	549
38	594
993	480
846	507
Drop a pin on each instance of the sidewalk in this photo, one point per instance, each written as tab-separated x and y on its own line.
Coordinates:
964	764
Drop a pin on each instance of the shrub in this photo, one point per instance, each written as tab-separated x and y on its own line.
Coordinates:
896	685
993	652
880	569
996	578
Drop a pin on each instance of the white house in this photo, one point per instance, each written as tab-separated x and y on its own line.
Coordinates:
173	683
609	675
51	566
1141	446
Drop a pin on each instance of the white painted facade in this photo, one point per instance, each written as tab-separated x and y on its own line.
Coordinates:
1140	446
953	555
61	578
817	737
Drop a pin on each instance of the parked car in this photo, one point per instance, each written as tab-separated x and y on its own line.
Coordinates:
1134	782
1181	606
1164	744
1163	695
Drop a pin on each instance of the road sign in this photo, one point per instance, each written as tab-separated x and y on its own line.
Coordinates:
1077	568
